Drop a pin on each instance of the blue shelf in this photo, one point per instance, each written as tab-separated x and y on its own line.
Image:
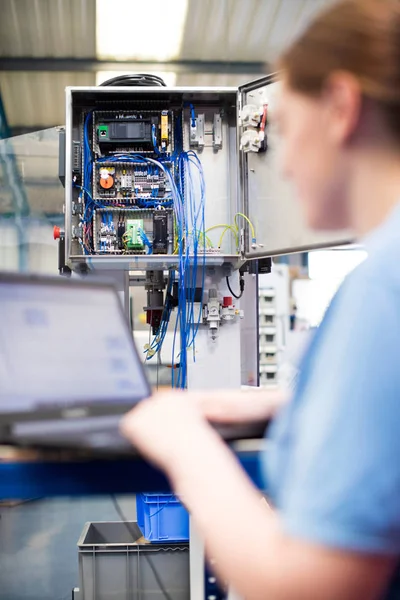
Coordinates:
93	477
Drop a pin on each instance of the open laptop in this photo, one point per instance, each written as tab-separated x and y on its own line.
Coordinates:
68	365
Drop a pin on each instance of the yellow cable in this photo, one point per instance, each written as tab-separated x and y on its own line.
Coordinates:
229	228
226	227
209	242
253	231
222	236
219	226
206	239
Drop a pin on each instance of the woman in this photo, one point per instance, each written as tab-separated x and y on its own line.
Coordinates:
333	468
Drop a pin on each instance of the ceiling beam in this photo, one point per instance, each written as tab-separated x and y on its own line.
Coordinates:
24	129
89	65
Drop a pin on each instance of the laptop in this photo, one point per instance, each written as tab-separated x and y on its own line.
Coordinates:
69	368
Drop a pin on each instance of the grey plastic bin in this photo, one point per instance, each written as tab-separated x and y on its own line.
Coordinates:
114	565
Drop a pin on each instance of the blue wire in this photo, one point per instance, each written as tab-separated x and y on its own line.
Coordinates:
146	241
193	115
154	138
190	225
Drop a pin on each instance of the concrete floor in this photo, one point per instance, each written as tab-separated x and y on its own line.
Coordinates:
38	551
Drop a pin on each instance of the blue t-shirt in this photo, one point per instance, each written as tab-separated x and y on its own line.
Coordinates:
333	468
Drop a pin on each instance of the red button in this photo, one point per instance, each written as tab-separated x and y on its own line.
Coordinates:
56	232
227	301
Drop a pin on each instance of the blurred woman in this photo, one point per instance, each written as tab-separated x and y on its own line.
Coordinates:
333	468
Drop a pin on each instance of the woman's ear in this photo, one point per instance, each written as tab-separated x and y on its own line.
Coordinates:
343	99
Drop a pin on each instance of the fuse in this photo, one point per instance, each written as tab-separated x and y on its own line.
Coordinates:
164	128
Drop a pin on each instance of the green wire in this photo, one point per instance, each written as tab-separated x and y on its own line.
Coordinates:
253	231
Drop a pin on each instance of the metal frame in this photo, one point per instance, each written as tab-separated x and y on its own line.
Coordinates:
90	65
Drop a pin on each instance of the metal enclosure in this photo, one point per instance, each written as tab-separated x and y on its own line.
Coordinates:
236	181
219	163
269	200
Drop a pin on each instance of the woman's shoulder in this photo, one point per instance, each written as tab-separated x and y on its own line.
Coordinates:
382	265
380	268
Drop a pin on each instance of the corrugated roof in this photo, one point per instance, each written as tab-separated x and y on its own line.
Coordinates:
38	98
44	28
48	28
237	30
215	30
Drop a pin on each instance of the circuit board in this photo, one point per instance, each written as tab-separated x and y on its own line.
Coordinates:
133	231
127	166
130	182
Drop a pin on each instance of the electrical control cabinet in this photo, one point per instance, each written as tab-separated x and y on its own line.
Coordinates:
154	174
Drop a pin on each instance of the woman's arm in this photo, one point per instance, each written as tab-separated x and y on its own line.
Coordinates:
260	561
234	406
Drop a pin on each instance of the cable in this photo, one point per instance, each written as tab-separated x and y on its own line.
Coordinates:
154	138
253	231
184	180
154	347
145	240
232	228
192	115
241	285
135	79
219	226
150	562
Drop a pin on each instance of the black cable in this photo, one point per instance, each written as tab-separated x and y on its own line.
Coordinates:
241	285
133	534
135	79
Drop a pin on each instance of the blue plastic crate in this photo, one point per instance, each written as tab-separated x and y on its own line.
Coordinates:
162	518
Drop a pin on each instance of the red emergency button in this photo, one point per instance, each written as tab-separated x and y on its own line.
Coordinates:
56	232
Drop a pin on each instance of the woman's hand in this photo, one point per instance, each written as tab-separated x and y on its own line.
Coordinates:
235	406
171	424
167	427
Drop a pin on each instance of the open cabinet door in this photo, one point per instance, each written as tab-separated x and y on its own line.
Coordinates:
267	199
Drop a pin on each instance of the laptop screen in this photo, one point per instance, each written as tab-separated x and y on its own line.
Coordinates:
65	345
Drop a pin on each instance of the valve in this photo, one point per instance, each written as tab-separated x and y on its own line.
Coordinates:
216	312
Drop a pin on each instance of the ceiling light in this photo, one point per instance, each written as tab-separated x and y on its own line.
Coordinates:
133	29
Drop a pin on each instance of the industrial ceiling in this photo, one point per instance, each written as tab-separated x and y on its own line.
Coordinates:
46	45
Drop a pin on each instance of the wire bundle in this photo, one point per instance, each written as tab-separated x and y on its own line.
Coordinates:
190	224
235	229
185	181
188	194
156	344
85	195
